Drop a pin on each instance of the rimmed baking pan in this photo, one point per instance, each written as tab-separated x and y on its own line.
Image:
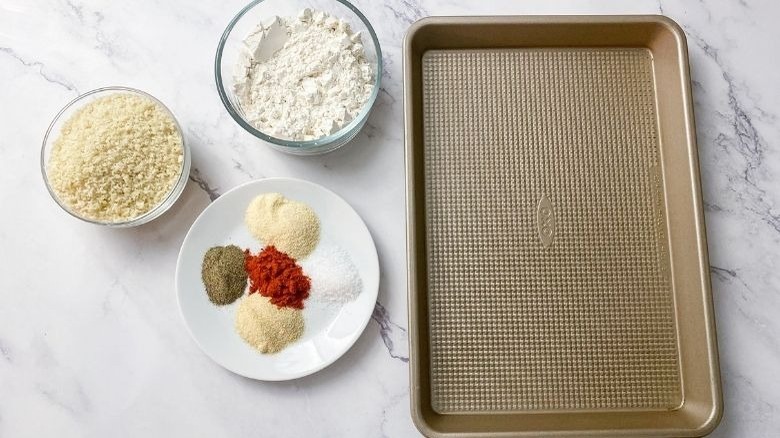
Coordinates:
558	272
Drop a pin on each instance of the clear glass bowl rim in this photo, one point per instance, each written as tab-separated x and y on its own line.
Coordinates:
163	205
304	144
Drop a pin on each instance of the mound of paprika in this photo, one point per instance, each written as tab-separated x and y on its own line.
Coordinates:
274	274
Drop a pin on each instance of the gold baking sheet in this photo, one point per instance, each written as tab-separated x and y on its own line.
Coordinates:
557	264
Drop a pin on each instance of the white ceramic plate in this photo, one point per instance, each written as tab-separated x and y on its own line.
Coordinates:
330	330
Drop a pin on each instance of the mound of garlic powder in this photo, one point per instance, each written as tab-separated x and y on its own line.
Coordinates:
116	158
303	78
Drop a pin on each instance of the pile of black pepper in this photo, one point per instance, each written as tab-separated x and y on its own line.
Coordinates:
223	274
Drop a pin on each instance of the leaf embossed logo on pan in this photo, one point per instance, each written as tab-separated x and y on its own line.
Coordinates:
545	221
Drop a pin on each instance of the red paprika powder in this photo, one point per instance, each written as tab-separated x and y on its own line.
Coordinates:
274	274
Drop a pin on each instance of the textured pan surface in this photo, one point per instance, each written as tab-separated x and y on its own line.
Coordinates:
587	322
558	272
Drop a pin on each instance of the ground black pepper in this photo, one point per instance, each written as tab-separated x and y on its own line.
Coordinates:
223	274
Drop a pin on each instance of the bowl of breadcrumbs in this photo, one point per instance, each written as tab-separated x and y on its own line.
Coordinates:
115	156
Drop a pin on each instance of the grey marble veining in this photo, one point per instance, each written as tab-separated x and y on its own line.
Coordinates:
393	335
36	65
91	343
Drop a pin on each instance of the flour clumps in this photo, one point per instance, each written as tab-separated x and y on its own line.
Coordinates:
304	77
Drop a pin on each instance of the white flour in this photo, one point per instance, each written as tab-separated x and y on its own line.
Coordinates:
303	78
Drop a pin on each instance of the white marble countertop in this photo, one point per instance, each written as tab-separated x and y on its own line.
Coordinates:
91	341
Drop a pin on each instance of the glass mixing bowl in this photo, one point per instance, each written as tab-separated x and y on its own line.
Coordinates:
67	112
260	11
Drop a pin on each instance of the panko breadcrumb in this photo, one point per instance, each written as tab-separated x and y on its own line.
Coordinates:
116	158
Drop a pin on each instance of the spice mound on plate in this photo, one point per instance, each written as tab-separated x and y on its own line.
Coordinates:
291	226
304	77
116	158
266	327
334	277
275	275
223	274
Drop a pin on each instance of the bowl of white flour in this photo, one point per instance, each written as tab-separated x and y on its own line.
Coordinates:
300	75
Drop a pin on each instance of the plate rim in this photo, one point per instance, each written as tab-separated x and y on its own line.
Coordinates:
324	364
